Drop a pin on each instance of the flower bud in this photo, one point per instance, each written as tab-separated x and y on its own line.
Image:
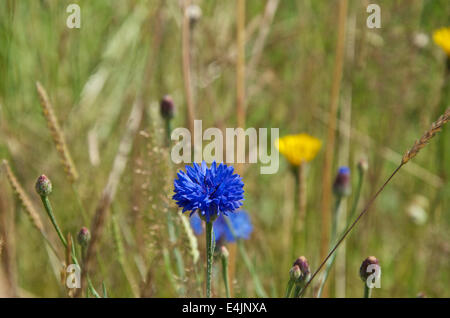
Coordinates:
364	270
43	186
342	186
194	13
167	107
302	263
295	272
363	165
84	236
224	252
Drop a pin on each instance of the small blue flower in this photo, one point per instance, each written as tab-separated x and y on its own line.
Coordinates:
240	222
213	191
342	184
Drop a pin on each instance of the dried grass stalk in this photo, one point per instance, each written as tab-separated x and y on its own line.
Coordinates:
57	134
109	192
26	202
430	133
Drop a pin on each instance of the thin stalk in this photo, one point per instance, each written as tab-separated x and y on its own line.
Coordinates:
298	289
333	238
355	204
258	286
357	195
331	134
209	257
225	275
49	210
367	291
364	211
289	287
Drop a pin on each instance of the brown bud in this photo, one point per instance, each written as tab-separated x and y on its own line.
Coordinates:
365	271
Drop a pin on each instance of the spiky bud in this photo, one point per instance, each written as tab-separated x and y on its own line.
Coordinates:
342	184
167	107
43	186
364	270
84	236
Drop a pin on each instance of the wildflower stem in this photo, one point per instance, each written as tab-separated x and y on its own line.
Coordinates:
333	238
258	286
49	210
289	287
209	257
367	291
225	275
357	195
168	130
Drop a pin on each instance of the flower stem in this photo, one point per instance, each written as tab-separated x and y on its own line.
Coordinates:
225	275
49	210
289	287
209	256
333	238
367	291
259	289
357	195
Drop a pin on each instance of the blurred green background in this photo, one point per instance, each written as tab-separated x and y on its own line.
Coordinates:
127	50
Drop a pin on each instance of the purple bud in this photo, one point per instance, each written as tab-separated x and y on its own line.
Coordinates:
167	107
302	263
364	270
84	236
342	186
43	186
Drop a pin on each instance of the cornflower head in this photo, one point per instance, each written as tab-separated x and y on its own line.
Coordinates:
210	191
167	107
342	185
442	38
240	222
365	271
298	148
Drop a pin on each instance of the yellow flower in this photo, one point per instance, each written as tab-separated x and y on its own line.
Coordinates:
298	148
442	38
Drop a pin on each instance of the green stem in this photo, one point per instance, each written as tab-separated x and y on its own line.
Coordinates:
367	291
357	196
289	287
299	287
225	275
168	130
332	239
49	210
209	257
258	286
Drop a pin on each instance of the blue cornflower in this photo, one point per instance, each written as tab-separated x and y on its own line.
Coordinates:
342	184
212	191
240	222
